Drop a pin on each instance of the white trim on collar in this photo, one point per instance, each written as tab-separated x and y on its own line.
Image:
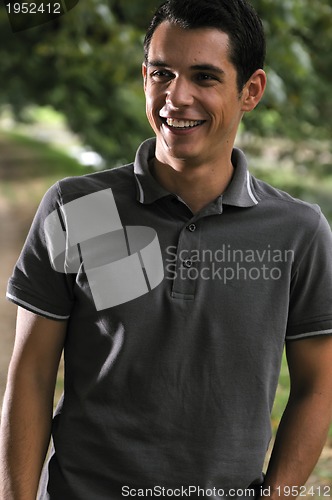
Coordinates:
251	194
141	192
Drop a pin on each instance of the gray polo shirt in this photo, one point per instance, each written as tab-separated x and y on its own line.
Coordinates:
176	328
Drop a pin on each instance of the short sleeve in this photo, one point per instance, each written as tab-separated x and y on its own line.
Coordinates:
35	284
310	306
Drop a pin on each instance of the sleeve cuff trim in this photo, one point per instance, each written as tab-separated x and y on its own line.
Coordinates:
309	334
32	308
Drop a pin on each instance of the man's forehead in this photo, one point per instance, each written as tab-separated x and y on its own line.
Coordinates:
173	31
205	43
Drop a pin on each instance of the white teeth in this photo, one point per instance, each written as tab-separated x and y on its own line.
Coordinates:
172	122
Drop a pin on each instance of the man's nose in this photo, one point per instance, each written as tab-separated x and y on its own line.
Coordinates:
179	93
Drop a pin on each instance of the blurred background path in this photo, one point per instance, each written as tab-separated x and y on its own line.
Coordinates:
15	218
27	169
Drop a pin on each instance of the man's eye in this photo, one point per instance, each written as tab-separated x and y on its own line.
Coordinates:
203	77
161	75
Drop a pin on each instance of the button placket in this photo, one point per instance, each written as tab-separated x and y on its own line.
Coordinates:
187	269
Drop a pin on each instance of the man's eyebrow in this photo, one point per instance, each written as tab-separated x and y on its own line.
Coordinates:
208	67
158	63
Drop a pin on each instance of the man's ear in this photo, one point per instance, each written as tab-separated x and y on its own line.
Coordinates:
253	90
144	74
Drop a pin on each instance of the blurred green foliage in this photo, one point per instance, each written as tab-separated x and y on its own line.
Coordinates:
87	65
298	100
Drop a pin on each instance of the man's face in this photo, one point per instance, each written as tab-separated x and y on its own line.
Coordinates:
192	99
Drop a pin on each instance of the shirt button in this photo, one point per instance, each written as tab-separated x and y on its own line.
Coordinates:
192	227
187	263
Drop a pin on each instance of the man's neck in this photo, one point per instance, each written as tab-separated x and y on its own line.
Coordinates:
196	185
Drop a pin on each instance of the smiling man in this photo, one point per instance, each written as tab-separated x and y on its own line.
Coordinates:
172	284
195	105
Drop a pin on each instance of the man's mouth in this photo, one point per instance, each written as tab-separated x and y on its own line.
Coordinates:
182	124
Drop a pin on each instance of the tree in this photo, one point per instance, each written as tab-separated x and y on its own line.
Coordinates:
86	65
299	37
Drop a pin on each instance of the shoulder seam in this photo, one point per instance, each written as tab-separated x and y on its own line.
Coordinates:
311	206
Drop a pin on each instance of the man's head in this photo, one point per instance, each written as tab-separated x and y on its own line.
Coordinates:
202	72
236	18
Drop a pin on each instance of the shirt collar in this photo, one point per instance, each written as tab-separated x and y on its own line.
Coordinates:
240	192
148	189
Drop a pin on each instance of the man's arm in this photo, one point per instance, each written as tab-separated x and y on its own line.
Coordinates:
305	422
28	404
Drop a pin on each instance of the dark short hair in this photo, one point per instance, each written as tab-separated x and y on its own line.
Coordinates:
236	18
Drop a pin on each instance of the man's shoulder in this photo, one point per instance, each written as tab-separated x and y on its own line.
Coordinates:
117	183
283	202
287	215
115	178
